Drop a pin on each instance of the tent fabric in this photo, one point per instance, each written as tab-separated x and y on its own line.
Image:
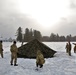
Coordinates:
29	50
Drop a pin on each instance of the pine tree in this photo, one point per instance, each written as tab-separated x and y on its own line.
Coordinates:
19	34
37	35
26	35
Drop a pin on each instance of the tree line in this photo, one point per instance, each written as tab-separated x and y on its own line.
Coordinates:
30	34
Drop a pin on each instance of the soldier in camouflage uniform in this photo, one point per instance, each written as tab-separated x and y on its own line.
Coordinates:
66	47
1	49
75	49
14	51
69	48
40	59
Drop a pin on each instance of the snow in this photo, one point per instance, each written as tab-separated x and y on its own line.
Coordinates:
60	64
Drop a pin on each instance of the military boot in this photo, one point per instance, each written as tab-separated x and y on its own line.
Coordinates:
11	64
15	64
41	66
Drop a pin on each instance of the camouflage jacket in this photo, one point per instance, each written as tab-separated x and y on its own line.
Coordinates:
40	59
14	49
1	47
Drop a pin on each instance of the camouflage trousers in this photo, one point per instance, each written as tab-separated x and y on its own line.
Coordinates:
39	65
1	54
66	50
74	51
69	52
13	58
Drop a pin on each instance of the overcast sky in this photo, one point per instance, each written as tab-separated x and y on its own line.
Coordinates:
47	16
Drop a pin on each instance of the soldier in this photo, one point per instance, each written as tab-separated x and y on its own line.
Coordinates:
66	47
1	49
75	49
40	59
69	48
14	51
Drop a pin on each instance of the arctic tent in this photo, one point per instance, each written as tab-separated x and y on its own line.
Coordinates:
29	50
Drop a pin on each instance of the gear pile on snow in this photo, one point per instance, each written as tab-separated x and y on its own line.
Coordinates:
29	50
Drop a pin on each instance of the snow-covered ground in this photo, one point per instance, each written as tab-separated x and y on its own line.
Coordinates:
61	64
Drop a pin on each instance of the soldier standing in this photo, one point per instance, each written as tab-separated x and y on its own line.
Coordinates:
1	49
14	51
40	59
75	49
69	48
66	47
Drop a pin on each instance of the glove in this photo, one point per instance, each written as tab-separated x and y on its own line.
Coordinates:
2	49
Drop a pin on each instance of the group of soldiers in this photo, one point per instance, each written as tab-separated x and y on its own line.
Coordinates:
69	47
39	58
14	50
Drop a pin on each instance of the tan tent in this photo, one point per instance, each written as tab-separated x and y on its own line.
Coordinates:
29	50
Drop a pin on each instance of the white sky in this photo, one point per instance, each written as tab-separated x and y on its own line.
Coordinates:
46	16
46	12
